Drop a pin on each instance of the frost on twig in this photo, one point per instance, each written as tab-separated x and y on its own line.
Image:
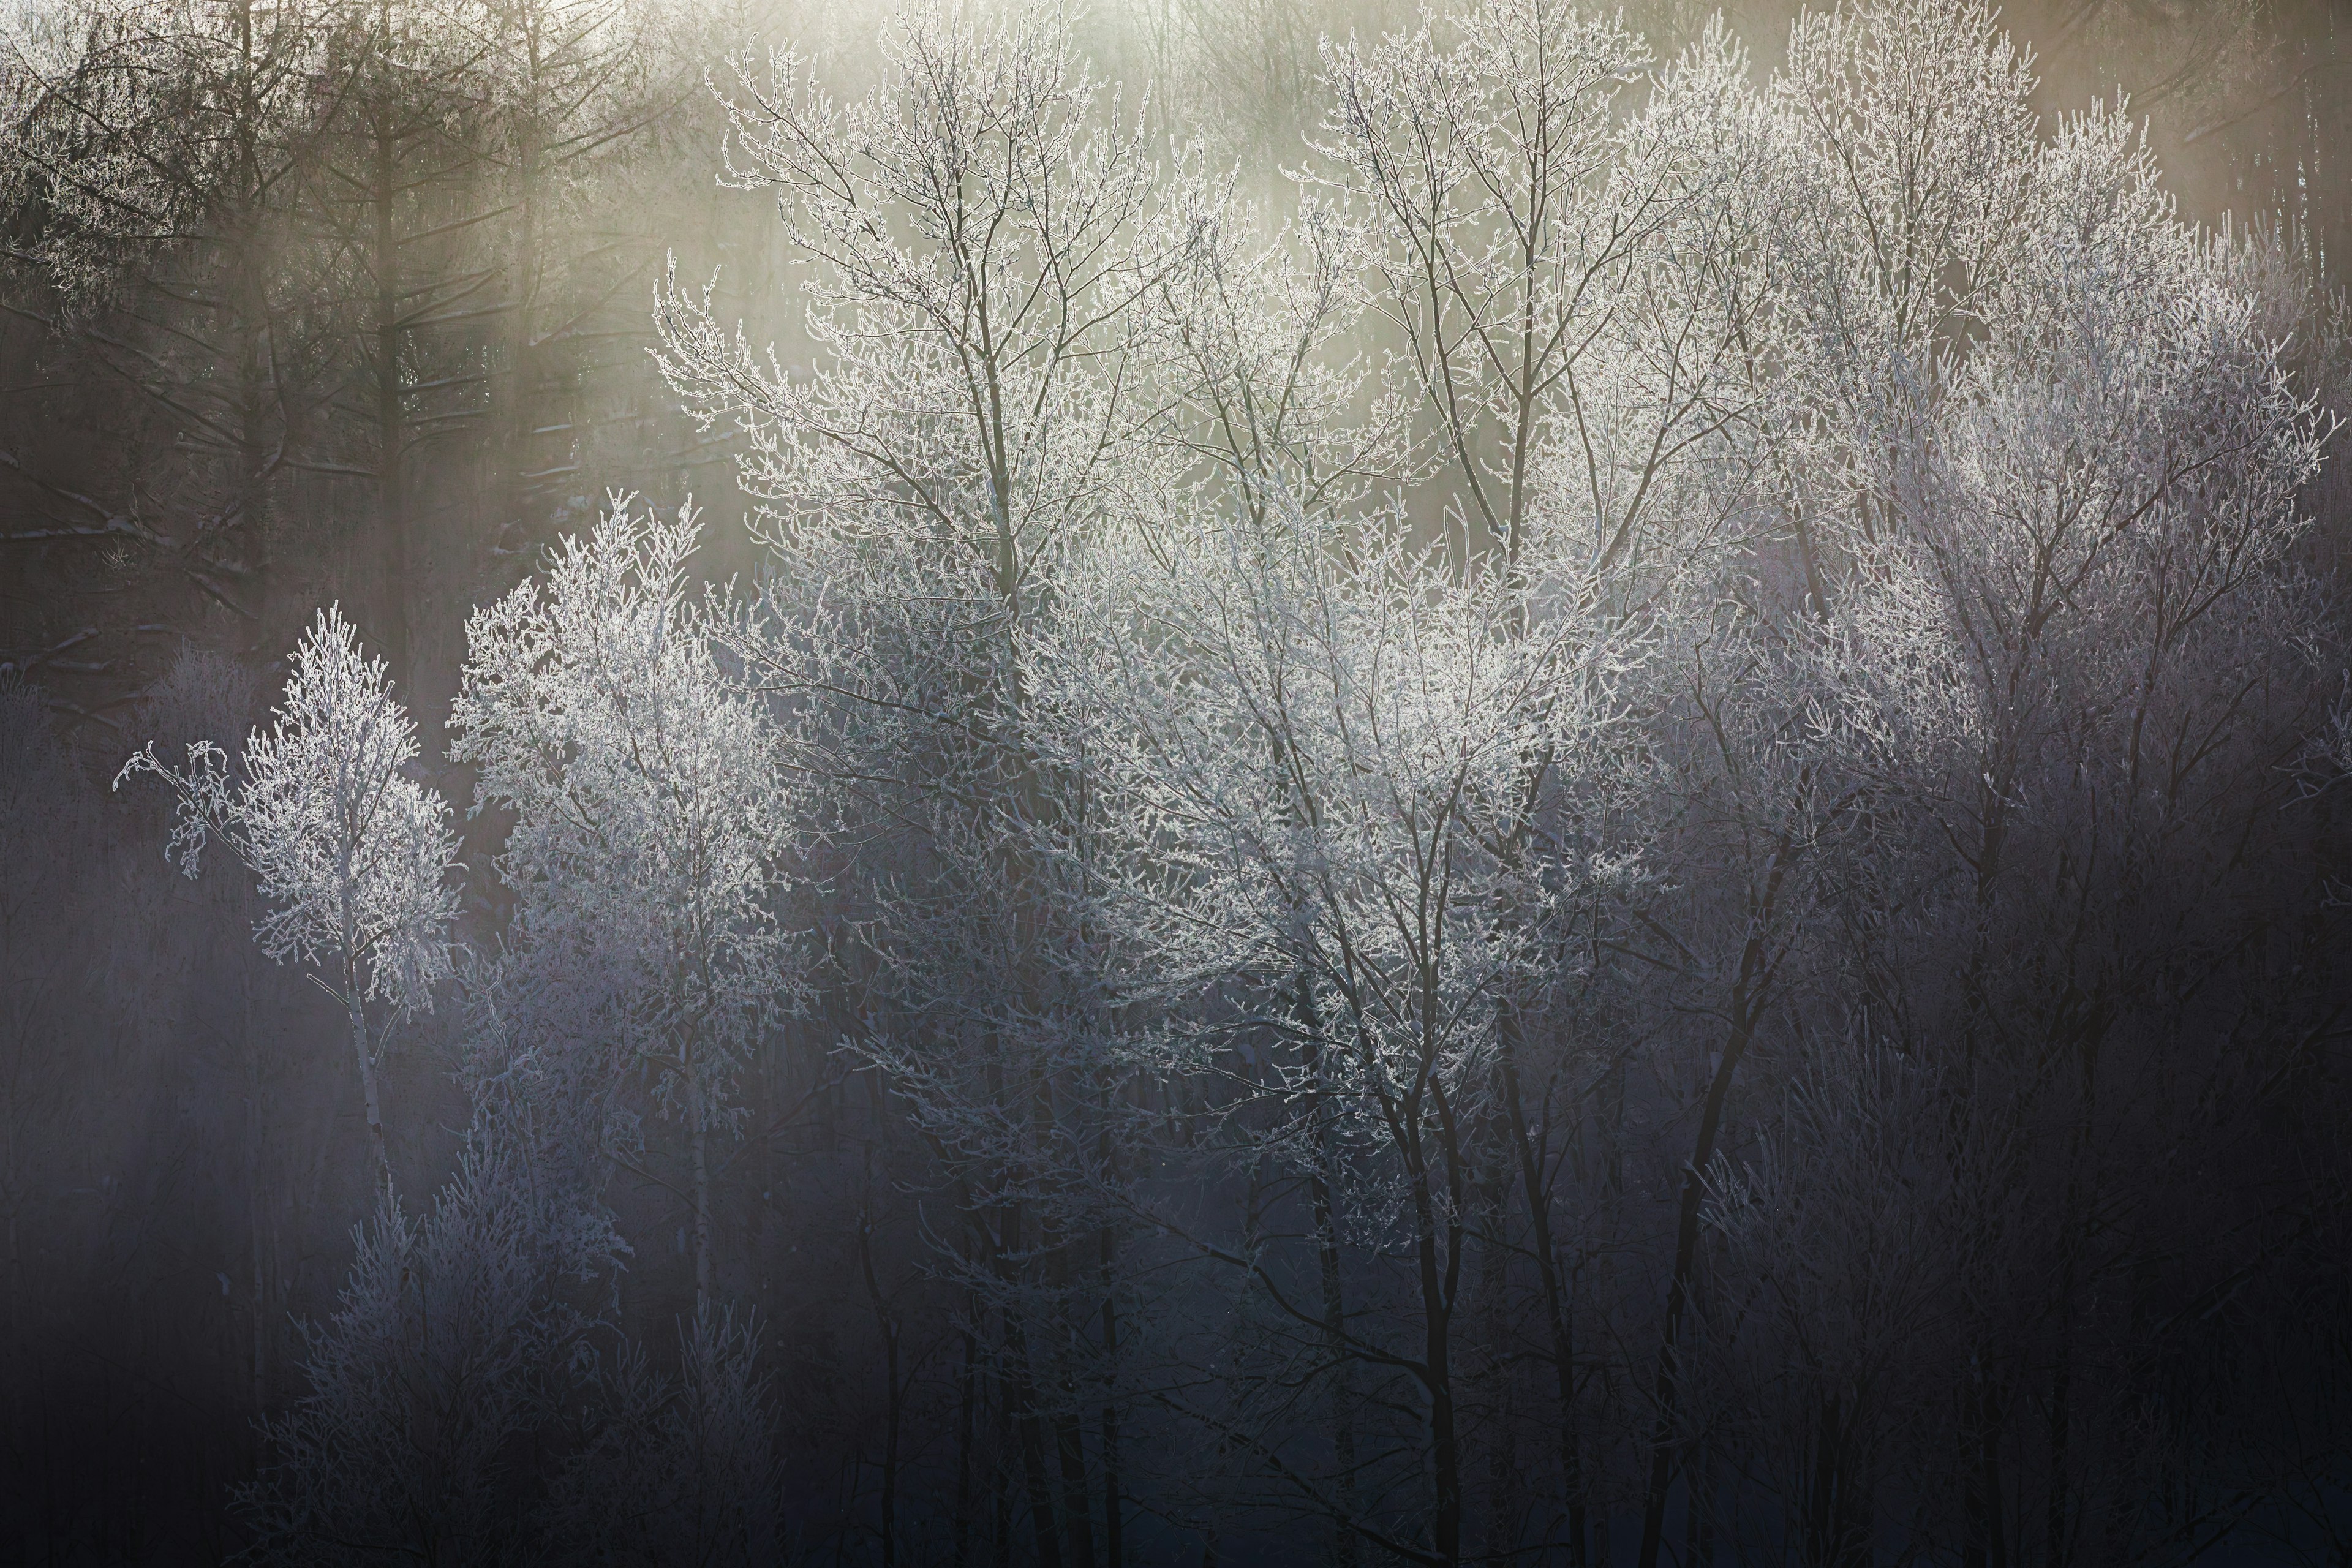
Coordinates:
352	855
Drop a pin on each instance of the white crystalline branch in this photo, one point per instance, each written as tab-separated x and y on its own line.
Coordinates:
352	854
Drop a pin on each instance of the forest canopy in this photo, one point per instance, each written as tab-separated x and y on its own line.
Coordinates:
999	785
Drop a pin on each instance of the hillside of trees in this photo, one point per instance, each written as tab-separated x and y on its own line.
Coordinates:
1178	784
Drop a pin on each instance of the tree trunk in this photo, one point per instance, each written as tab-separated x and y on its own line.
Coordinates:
1114	1531
367	1090
250	309
1069	1444
1437	1345
1000	1475
1021	1404
1556	1310
966	1399
891	1392
392	497
522	368
1985	1539
1346	1547
699	1132
1503	1491
251	499
254	1207
1031	1427
1746	1006
1700	1551
1835	1534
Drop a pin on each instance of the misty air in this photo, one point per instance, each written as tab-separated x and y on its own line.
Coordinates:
1175	783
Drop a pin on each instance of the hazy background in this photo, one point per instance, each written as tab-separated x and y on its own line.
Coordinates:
180	1164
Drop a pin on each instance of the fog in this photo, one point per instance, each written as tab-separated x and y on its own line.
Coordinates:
1174	783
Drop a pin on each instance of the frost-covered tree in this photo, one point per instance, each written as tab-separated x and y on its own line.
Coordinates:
1321	734
153	157
1576	285
1569	276
651	818
981	234
1585	829
673	1469
2032	478
575	91
353	856
453	1337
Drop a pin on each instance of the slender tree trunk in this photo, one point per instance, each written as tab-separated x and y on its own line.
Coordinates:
391	416
1114	1529
2082	1198
699	1132
1747	1005
2058	1503
261	1282
1556	1308
1346	1547
1985	1541
891	1392
522	368
1021	1397
368	1088
1824	1506
254	1207
1702	1507
12	1196
251	498
1000	1473
966	1399
1069	1444
1613	1116
1503	1491
250	309
1667	1386
1438	1346
1032	1430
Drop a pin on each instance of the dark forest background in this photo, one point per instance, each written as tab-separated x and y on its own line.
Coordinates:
374	325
